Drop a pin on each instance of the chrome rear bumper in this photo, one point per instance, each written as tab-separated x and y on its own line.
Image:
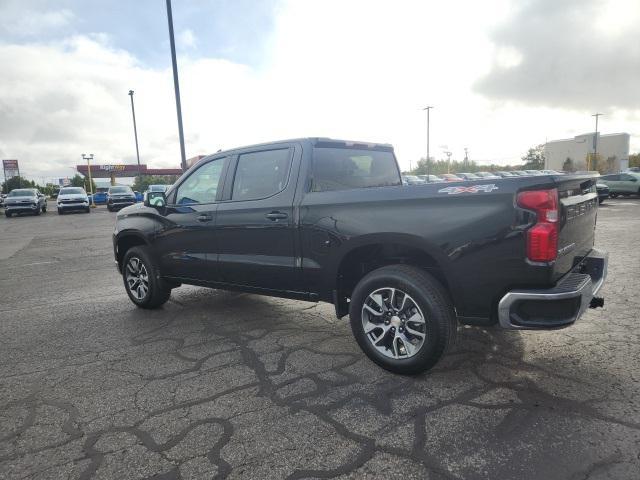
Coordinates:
559	306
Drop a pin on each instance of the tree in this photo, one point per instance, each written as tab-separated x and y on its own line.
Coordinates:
17	182
79	181
142	182
634	160
568	165
534	159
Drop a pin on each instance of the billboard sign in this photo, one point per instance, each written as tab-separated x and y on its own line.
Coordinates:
10	168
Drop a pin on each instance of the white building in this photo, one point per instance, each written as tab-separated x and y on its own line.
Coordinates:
613	149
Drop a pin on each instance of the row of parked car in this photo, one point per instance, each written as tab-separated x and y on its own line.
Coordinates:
467	176
31	200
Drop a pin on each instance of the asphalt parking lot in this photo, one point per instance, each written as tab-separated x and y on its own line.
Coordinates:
219	384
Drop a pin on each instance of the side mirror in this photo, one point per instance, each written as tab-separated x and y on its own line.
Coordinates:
155	199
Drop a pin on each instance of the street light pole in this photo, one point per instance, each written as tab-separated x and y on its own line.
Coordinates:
428	159
135	130
176	86
595	140
88	158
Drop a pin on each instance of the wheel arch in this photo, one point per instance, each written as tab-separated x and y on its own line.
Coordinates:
127	240
374	252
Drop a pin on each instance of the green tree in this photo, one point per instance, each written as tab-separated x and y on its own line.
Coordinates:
17	182
634	160
568	165
79	181
142	182
534	159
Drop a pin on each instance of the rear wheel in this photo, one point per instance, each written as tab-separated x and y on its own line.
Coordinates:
402	318
141	280
613	195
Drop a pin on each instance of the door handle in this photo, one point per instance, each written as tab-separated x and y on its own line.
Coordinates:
205	218
274	216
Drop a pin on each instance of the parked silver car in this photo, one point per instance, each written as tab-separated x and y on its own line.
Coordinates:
25	200
72	198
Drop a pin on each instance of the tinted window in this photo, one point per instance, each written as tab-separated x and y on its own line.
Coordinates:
343	169
612	178
202	185
261	174
625	177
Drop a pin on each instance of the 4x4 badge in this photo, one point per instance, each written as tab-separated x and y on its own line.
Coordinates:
471	189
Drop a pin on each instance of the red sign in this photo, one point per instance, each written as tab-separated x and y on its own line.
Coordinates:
10	168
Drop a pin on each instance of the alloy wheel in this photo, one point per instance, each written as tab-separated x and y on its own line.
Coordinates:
394	323
137	278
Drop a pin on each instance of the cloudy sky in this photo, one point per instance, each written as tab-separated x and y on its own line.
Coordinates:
503	75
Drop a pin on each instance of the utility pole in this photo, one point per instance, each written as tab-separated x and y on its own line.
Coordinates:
135	131
428	159
448	154
595	140
466	157
88	158
176	86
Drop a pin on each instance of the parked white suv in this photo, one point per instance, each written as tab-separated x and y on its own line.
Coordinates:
72	198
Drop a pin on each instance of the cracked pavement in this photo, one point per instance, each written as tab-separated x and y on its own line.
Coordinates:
228	385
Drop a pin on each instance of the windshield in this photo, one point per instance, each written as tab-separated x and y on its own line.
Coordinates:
120	190
23	192
72	191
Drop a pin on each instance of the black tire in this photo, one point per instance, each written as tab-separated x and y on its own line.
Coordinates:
60	212
613	195
601	201
37	212
109	208
7	214
87	210
158	290
44	209
429	295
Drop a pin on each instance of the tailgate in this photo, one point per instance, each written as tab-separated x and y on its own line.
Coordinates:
577	220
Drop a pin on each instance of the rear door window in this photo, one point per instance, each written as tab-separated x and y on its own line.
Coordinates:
261	174
346	168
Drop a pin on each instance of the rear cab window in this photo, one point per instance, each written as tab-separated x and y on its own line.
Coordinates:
336	168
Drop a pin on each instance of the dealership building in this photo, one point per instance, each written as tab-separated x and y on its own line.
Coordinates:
612	148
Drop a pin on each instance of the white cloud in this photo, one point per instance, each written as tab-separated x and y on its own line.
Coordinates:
356	70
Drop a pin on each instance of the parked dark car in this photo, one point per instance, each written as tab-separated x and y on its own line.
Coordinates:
119	197
603	192
327	220
25	200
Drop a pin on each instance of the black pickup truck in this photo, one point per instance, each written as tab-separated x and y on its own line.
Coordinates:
328	220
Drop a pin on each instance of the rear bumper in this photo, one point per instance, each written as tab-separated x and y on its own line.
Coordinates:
559	306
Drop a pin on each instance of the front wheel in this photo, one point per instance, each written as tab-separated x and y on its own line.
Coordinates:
8	214
44	209
402	318
141	280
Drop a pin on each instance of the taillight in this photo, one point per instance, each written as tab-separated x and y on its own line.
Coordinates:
542	238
